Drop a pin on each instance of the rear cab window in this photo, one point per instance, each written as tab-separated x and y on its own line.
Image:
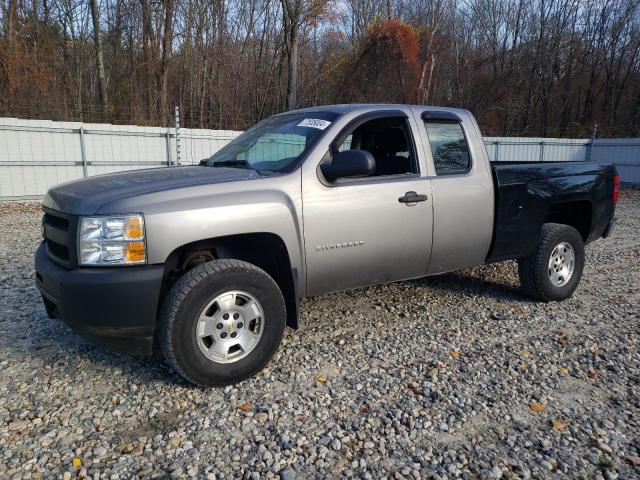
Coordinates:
449	147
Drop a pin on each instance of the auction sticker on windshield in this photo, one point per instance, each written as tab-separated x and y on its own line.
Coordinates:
314	123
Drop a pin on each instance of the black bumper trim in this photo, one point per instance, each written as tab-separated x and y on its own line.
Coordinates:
112	307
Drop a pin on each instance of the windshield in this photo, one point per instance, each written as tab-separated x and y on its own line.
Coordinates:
276	144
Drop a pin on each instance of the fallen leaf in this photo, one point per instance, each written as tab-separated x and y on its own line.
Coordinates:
559	425
633	459
563	371
563	340
523	366
455	354
18	426
415	388
536	407
592	374
321	378
245	407
525	353
76	462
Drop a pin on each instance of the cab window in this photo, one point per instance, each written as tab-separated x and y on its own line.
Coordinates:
388	139
449	147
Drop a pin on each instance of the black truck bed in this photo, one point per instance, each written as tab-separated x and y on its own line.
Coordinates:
528	194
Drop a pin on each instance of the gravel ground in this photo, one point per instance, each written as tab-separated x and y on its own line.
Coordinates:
452	376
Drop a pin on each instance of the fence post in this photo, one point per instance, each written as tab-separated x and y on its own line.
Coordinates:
594	133
177	135
167	138
497	150
542	151
83	153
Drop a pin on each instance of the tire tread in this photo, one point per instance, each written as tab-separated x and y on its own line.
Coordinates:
532	269
177	295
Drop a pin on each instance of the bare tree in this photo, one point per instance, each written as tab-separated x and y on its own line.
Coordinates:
167	39
11	18
292	19
539	67
97	38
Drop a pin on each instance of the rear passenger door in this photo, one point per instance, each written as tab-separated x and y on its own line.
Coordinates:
462	188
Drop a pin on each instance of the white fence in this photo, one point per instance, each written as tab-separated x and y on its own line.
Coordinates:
37	154
623	152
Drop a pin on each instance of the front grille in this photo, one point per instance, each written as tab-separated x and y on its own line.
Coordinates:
57	222
57	251
59	232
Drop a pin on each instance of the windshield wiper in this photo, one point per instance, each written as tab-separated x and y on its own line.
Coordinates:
236	164
231	163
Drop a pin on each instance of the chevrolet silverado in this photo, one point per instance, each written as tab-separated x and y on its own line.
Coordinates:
206	263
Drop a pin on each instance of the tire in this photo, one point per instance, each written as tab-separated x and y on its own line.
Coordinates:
536	271
188	315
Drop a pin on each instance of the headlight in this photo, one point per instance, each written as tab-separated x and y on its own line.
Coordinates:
112	240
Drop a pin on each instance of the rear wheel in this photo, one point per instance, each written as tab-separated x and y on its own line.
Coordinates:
222	322
554	270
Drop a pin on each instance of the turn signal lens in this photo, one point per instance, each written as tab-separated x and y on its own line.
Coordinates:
616	189
134	229
135	252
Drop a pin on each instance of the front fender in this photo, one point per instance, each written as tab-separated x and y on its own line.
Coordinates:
178	217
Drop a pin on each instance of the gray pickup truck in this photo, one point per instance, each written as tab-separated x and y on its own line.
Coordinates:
206	263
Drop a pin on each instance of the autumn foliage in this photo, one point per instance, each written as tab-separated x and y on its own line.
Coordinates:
524	67
385	68
30	72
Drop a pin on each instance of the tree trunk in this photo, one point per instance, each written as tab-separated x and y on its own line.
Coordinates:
11	18
102	80
292	77
167	39
291	13
429	79
147	40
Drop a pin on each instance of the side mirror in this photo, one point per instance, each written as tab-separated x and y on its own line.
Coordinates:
349	164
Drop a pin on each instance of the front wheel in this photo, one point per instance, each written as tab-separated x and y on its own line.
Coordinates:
553	271
222	322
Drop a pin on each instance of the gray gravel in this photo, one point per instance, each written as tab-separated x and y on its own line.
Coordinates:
451	376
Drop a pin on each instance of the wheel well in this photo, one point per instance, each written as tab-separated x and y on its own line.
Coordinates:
576	214
265	250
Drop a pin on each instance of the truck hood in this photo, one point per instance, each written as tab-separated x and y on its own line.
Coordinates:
87	196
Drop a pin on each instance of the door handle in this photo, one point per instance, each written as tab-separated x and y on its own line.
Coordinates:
413	197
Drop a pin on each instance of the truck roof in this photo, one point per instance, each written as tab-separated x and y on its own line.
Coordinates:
343	108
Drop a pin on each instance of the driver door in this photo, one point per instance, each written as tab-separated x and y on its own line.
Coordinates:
364	231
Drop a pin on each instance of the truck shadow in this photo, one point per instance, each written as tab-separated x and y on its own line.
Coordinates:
467	282
57	345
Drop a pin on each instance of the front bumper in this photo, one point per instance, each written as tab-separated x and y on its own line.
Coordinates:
114	307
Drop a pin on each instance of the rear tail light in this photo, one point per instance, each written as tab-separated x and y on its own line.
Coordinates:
616	189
